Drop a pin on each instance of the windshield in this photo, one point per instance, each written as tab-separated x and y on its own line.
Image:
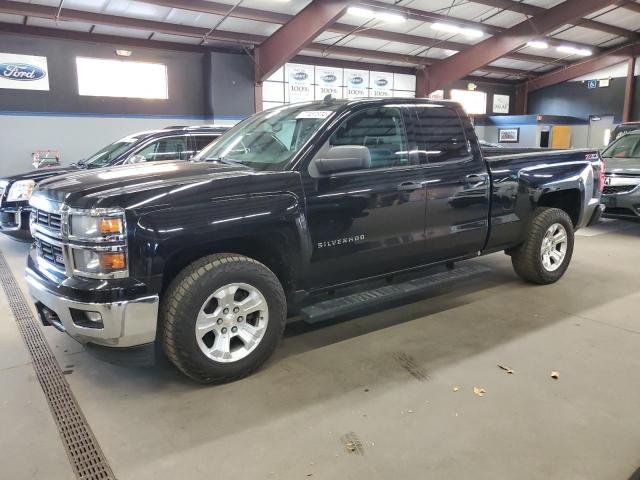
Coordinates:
627	146
268	140
103	157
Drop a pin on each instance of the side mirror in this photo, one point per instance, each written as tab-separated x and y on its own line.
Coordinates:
136	159
341	159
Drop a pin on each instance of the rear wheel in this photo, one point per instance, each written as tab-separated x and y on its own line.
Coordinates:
546	253
222	317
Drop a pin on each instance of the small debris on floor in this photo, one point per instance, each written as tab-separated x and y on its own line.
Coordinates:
555	375
506	369
479	391
455	389
352	444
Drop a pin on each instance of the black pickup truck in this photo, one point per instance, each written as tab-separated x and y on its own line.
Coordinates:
207	259
171	143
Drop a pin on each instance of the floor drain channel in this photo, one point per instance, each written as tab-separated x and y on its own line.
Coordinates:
83	450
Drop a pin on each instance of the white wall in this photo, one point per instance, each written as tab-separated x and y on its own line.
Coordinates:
76	137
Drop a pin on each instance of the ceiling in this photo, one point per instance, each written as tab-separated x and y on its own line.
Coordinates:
354	38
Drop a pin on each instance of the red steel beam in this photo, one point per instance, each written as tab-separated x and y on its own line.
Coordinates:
585	67
413	60
299	32
69	15
203	6
531	10
423	16
629	89
489	50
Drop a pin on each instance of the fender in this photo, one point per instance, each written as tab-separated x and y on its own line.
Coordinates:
163	234
519	186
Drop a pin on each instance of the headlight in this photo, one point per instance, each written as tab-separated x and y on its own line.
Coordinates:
98	227
99	263
21	190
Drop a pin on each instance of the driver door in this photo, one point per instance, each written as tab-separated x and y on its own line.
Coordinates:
368	222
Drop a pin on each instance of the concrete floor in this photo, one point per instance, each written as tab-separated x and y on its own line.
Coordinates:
385	380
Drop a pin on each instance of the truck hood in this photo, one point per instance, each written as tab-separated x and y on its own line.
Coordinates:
134	185
42	174
622	166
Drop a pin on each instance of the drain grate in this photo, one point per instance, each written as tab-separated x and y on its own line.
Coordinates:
85	455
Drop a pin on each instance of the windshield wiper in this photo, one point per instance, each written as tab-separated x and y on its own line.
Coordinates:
227	161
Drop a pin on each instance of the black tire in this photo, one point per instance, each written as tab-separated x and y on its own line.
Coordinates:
184	298
527	258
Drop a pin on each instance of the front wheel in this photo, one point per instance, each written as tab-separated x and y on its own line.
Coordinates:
546	253
222	317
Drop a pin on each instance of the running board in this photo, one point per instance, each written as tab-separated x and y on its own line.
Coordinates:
349	304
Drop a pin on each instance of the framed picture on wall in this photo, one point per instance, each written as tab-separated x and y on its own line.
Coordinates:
508	135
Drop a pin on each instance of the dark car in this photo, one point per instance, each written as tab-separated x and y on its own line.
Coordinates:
621	194
294	211
171	143
624	128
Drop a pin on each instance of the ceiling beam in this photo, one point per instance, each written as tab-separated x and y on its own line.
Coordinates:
203	6
217	37
531	10
432	17
631	6
297	33
410	59
69	15
116	40
585	67
489	50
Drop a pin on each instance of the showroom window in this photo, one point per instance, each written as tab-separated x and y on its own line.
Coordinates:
441	137
474	102
381	130
98	77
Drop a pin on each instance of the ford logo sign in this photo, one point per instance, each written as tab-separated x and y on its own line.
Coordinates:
22	72
357	80
299	76
382	82
329	78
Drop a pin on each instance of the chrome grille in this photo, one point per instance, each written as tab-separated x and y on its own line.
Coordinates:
52	221
50	252
613	189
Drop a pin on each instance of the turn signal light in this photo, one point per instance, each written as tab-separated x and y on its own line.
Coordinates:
113	261
110	226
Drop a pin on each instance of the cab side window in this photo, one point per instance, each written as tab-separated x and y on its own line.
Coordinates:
168	148
440	134
381	130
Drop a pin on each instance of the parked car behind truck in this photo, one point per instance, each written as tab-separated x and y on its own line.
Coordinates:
171	143
622	183
206	258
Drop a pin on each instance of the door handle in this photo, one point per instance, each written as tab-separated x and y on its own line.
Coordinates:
409	186
476	178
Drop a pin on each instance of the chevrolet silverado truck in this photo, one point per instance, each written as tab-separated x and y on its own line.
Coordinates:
171	143
205	260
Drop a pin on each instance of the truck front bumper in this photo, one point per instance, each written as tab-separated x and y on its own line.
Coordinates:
119	325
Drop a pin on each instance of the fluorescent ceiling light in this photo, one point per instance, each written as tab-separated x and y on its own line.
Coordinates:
582	52
539	44
376	14
450	28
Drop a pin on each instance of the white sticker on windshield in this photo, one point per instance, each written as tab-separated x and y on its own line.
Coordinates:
314	114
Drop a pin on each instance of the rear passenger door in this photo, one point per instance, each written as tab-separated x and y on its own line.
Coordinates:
367	222
457	183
